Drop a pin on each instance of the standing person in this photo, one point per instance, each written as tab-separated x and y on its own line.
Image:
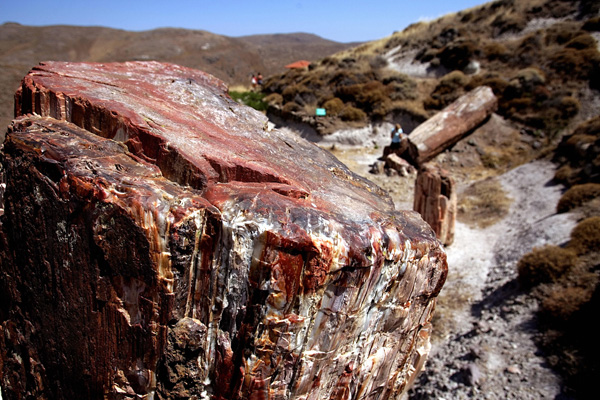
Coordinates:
259	79
254	81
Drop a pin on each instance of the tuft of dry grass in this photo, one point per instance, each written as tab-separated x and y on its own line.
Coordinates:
577	195
563	302
483	203
585	237
544	265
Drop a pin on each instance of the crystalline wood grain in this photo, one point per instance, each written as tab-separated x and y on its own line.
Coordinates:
159	241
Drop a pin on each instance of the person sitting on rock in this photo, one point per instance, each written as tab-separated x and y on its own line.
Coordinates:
398	137
399	143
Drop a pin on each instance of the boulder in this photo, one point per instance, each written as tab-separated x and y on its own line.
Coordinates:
404	168
451	124
160	241
435	199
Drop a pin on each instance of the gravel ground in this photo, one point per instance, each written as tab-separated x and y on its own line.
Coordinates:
483	345
488	352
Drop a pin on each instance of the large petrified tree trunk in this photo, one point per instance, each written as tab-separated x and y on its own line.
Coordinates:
160	241
451	124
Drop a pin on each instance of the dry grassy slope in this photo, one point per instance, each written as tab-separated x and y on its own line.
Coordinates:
539	56
228	58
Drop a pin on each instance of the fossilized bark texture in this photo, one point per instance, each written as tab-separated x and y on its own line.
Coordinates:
451	124
160	241
435	199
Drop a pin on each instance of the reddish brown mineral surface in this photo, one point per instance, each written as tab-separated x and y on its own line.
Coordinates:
161	241
435	199
451	124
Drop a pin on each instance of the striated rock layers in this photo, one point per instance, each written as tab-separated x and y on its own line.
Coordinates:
435	199
161	242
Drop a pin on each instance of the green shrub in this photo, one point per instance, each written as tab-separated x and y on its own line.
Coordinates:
333	106
251	99
350	113
577	195
544	265
585	237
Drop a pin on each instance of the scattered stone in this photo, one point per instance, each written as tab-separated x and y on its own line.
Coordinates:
513	369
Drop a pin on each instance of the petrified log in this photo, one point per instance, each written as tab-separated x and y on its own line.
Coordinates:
435	200
452	124
160	241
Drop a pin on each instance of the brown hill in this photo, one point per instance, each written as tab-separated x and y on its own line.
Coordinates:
230	59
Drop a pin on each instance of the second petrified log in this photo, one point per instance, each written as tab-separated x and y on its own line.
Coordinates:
435	199
451	124
160	241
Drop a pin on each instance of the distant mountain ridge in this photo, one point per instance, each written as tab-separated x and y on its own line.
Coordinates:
232	59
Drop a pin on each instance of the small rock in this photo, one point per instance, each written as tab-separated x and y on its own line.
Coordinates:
513	369
474	374
377	168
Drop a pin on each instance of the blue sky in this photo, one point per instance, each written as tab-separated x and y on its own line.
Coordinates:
339	20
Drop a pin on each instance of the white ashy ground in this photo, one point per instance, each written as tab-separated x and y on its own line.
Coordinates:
488	351
485	348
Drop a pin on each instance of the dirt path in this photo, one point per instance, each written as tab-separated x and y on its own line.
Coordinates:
486	349
483	345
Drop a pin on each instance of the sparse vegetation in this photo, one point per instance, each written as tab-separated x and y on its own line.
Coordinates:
569	294
577	154
253	99
450	87
585	237
483	203
544	265
577	195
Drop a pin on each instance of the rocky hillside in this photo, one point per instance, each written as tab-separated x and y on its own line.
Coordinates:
539	56
230	59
